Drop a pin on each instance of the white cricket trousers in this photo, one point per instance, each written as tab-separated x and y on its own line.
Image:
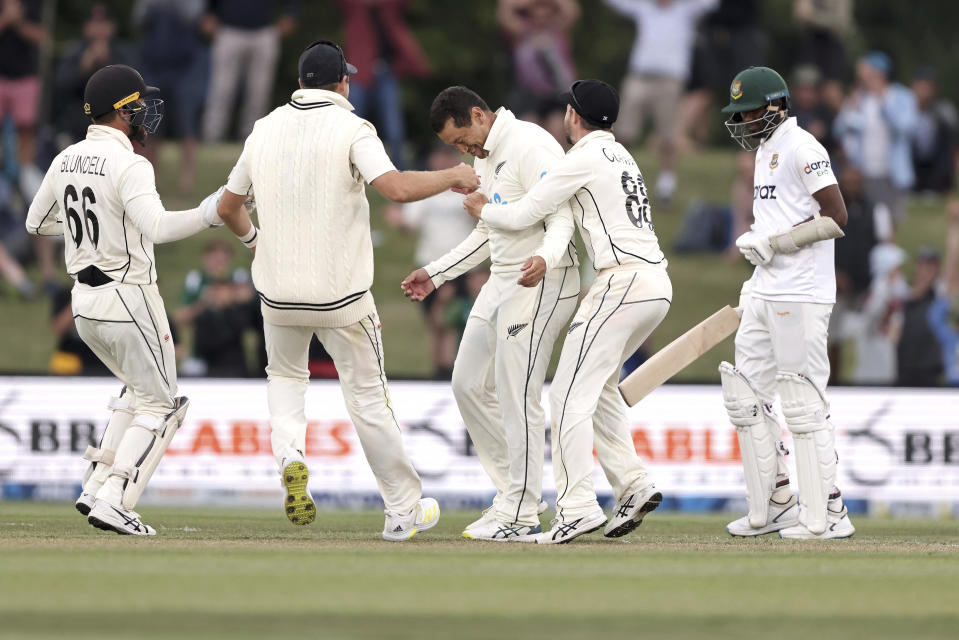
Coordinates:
621	309
498	382
782	336
357	352
126	326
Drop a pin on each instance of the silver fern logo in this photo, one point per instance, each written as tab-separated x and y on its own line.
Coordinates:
514	329
573	327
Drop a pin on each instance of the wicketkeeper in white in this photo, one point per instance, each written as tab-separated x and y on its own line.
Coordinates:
102	197
600	180
508	340
308	162
781	342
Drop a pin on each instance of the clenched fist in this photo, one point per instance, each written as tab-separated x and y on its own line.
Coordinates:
474	204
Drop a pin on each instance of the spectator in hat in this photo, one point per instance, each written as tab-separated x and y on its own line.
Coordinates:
876	127
934	140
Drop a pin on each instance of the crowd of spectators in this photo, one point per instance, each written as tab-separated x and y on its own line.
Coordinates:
890	142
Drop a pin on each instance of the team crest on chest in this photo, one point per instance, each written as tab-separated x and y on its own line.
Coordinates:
774	162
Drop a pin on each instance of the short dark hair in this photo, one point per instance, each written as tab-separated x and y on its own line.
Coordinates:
456	103
326	87
105	118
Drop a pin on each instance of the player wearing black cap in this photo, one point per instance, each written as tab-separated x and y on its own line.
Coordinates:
308	162
102	197
629	298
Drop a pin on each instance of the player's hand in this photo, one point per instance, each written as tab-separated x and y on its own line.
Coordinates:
534	270
418	285
465	179
755	248
474	204
208	208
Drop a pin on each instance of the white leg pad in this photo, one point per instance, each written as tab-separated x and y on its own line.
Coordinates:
138	469
756	442
807	412
102	457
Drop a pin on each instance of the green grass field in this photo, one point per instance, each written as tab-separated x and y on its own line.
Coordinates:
241	574
701	283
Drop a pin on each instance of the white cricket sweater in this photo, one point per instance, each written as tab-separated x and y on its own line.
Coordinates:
314	256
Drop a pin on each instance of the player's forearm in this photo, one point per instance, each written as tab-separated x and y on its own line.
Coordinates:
236	218
513	216
466	255
160	226
411	186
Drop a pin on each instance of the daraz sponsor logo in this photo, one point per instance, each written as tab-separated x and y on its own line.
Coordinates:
821	167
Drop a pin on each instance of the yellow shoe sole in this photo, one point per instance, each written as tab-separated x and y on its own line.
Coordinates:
299	506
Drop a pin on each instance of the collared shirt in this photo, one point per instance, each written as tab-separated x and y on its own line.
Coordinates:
520	154
606	191
791	165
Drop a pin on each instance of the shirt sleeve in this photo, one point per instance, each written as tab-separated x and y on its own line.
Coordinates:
559	231
368	155
473	250
813	167
240	181
43	217
137	190
559	184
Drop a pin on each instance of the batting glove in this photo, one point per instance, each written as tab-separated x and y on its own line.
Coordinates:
208	208
755	248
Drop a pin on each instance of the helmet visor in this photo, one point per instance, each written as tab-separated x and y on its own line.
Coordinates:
147	113
749	133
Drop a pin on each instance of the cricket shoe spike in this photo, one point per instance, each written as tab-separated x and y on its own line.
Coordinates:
838	525
423	517
85	502
631	510
298	504
497	531
780	516
119	520
562	532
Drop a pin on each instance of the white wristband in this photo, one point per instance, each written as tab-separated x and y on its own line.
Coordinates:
250	238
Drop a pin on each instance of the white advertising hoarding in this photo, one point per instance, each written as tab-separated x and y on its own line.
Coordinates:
893	444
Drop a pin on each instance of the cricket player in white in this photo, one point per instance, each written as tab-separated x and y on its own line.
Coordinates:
629	298
781	342
508	340
307	163
102	197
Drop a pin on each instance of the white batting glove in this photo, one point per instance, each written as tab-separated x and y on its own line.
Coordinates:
208	208
755	248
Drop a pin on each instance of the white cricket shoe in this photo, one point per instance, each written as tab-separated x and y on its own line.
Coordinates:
489	516
85	503
105	516
562	532
631	510
838	525
298	504
781	515
422	517
497	531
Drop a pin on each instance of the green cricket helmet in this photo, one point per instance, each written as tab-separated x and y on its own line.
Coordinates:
752	89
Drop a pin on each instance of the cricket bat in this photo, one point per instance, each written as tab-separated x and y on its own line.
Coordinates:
679	354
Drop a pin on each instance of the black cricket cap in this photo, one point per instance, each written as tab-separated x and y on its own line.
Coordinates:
595	101
113	87
323	63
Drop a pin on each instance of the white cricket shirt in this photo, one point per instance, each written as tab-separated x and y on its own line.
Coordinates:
102	197
520	154
307	162
599	179
791	166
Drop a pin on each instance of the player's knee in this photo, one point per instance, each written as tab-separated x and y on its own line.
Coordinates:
804	403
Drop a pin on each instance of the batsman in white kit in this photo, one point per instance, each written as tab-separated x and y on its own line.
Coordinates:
781	342
506	346
307	162
600	180
102	197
